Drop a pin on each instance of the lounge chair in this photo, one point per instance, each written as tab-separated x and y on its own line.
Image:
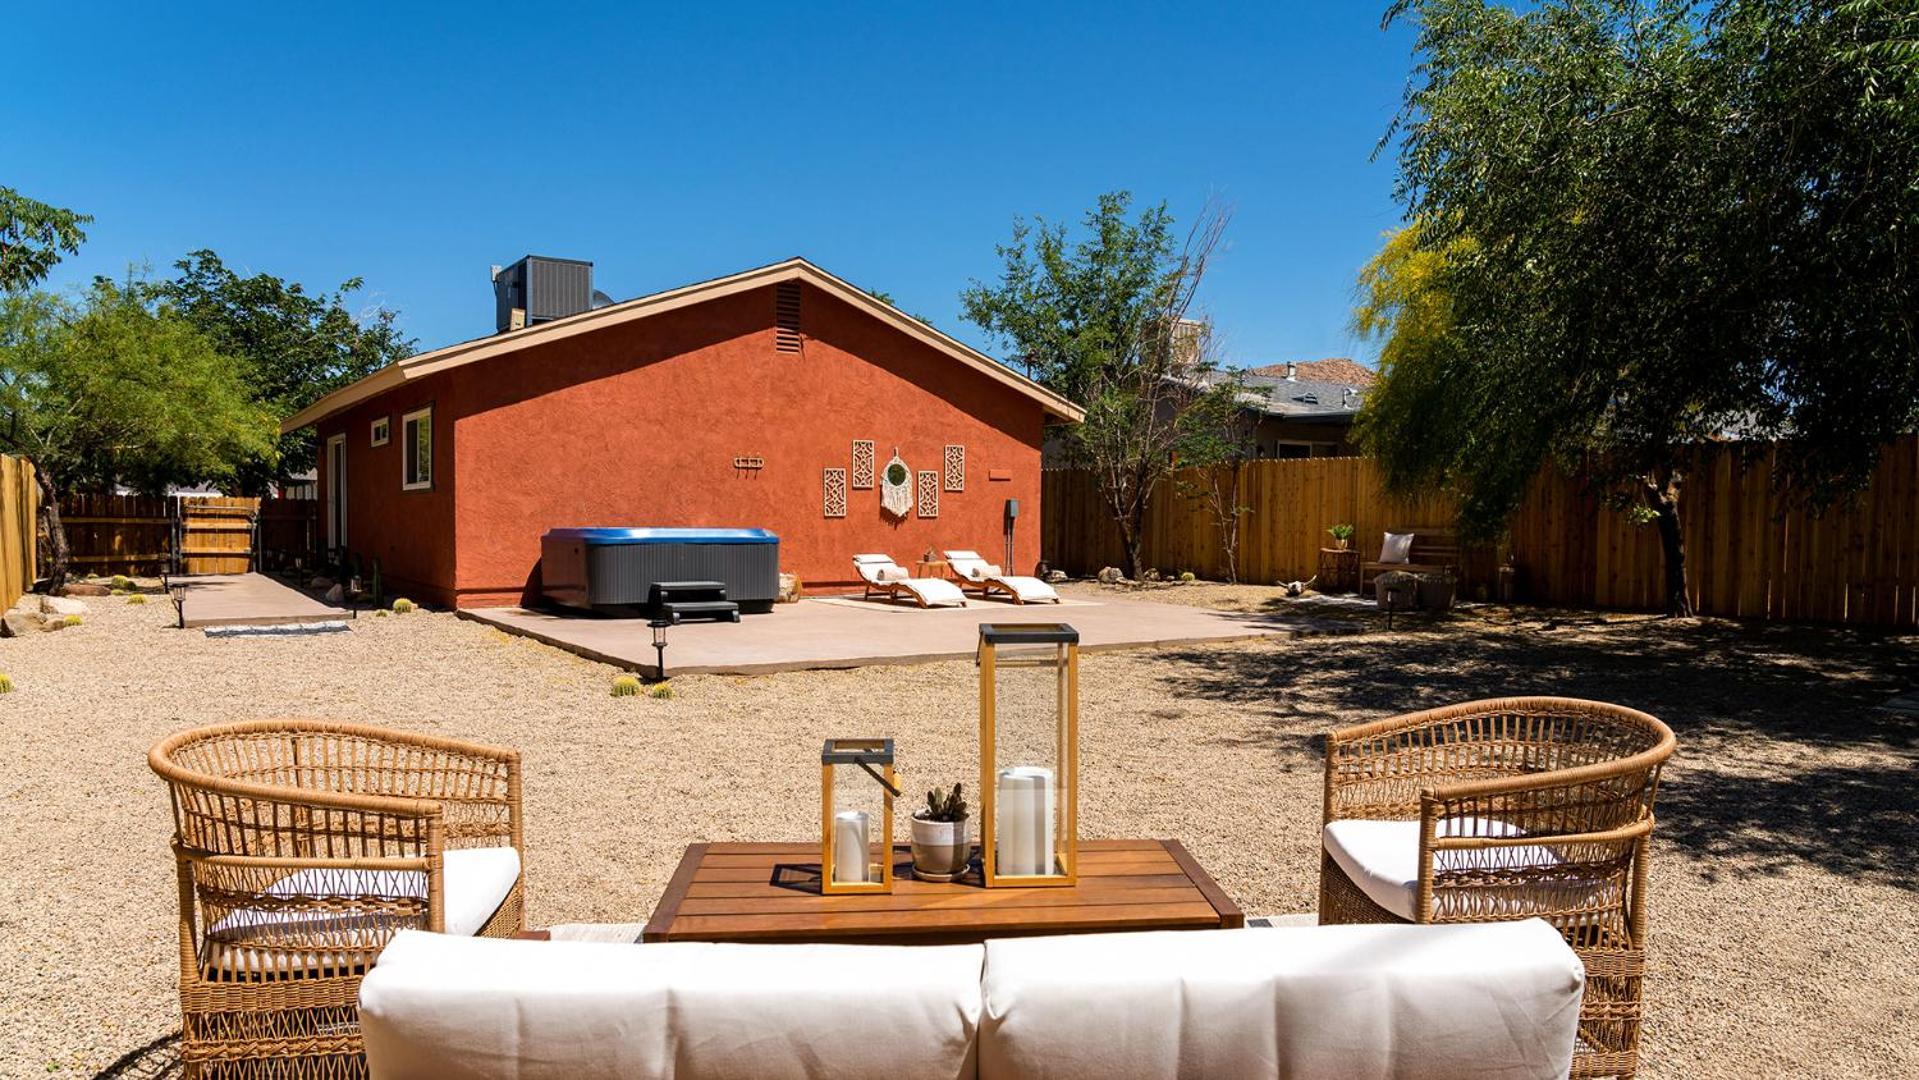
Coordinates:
884	577
987	578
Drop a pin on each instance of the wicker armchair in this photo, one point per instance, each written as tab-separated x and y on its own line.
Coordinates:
302	847
1506	809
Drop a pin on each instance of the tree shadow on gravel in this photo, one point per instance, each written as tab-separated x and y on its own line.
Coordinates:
1728	690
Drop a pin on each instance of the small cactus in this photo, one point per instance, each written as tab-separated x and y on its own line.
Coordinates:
626	686
137	598
402	605
122	582
944	805
72	620
6	684
1188	577
662	690
380	612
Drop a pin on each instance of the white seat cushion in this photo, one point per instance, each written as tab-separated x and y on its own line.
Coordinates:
1382	857
935	592
1398	548
1309	1003
1029	589
476	881
486	1009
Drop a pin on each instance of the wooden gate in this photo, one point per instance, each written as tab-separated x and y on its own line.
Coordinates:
216	535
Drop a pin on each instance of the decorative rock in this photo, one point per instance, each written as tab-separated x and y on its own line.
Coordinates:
789	589
1111	575
1055	576
19	623
83	588
320	581
335	594
60	605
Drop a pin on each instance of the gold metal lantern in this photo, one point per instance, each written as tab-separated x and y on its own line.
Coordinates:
856	816
1029	753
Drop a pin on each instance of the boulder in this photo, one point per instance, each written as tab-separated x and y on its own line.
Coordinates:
61	605
17	623
83	588
335	594
1055	576
320	581
789	589
1110	575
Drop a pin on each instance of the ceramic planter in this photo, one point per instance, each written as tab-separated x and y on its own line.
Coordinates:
941	849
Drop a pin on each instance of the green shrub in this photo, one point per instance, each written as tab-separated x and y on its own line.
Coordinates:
662	690
626	686
6	684
402	605
137	598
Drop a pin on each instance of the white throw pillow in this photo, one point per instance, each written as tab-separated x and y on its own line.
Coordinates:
1397	549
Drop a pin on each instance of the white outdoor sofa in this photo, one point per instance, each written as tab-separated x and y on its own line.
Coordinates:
1364	1002
987	577
887	578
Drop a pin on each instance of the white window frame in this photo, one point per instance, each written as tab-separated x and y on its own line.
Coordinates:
407	440
381	431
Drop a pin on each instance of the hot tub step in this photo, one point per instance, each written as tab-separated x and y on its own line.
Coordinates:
679	610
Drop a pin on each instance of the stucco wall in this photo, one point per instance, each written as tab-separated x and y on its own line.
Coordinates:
410	532
640	425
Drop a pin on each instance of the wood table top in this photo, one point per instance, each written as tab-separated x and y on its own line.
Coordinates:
771	892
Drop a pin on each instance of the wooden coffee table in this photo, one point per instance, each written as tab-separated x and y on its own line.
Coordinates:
771	892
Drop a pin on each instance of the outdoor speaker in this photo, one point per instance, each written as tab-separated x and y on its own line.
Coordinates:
1012	509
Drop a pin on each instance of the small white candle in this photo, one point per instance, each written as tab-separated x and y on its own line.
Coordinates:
1023	821
849	846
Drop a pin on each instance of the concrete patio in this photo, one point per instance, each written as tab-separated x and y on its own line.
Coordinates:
247	600
846	632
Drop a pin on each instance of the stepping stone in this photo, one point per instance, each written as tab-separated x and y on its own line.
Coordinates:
333	626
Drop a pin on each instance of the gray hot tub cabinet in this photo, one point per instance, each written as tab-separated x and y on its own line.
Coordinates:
614	570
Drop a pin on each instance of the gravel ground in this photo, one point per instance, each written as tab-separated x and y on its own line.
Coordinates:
1785	901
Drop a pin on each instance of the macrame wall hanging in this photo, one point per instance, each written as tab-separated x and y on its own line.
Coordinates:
896	487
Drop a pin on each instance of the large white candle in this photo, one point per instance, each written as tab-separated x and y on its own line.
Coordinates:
849	846
1023	821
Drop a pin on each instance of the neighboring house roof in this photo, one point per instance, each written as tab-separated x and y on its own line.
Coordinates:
1338	369
796	269
1300	398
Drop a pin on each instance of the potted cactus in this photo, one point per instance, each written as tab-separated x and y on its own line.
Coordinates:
941	844
1342	535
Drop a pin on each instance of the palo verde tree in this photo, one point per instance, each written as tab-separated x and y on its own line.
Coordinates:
1639	226
1102	321
1212	453
118	388
34	237
294	346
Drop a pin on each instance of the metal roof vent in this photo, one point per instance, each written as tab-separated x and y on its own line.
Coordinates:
543	289
786	317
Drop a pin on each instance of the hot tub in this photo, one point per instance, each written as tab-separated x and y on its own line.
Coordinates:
614	570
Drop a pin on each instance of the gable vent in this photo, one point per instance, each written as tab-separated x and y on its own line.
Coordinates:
786	317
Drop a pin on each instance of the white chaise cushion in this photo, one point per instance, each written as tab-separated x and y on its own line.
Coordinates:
473	1008
1382	857
1309	1003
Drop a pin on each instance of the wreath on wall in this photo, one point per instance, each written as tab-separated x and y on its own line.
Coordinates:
896	487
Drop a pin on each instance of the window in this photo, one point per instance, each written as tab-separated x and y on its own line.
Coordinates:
380	431
416	445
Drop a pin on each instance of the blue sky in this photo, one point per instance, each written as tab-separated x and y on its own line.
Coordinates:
892	146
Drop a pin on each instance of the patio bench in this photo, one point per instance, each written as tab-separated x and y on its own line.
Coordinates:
1435	549
1308	1003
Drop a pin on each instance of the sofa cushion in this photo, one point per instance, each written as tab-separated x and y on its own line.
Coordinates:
249	941
437	1006
1345	1002
1382	857
1398	548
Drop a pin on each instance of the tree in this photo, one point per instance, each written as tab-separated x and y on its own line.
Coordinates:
1639	226
1103	322
295	346
33	237
1215	448
118	388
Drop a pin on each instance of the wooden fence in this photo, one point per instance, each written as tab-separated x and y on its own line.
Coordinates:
136	534
1752	551
19	509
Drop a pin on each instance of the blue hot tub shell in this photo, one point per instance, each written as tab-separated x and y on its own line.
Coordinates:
615	569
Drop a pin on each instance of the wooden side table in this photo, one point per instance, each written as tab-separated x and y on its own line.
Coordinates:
1338	570
771	892
933	568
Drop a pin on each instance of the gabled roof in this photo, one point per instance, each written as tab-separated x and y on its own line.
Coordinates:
796	269
1336	369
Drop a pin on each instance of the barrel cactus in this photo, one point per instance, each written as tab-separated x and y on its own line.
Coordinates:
6	684
662	690
137	598
626	686
402	605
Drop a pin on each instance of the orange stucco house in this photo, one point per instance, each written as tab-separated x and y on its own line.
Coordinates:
739	402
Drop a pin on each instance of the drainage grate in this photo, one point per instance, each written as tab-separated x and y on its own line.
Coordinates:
786	317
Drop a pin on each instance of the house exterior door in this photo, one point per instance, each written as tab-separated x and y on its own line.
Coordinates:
336	492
